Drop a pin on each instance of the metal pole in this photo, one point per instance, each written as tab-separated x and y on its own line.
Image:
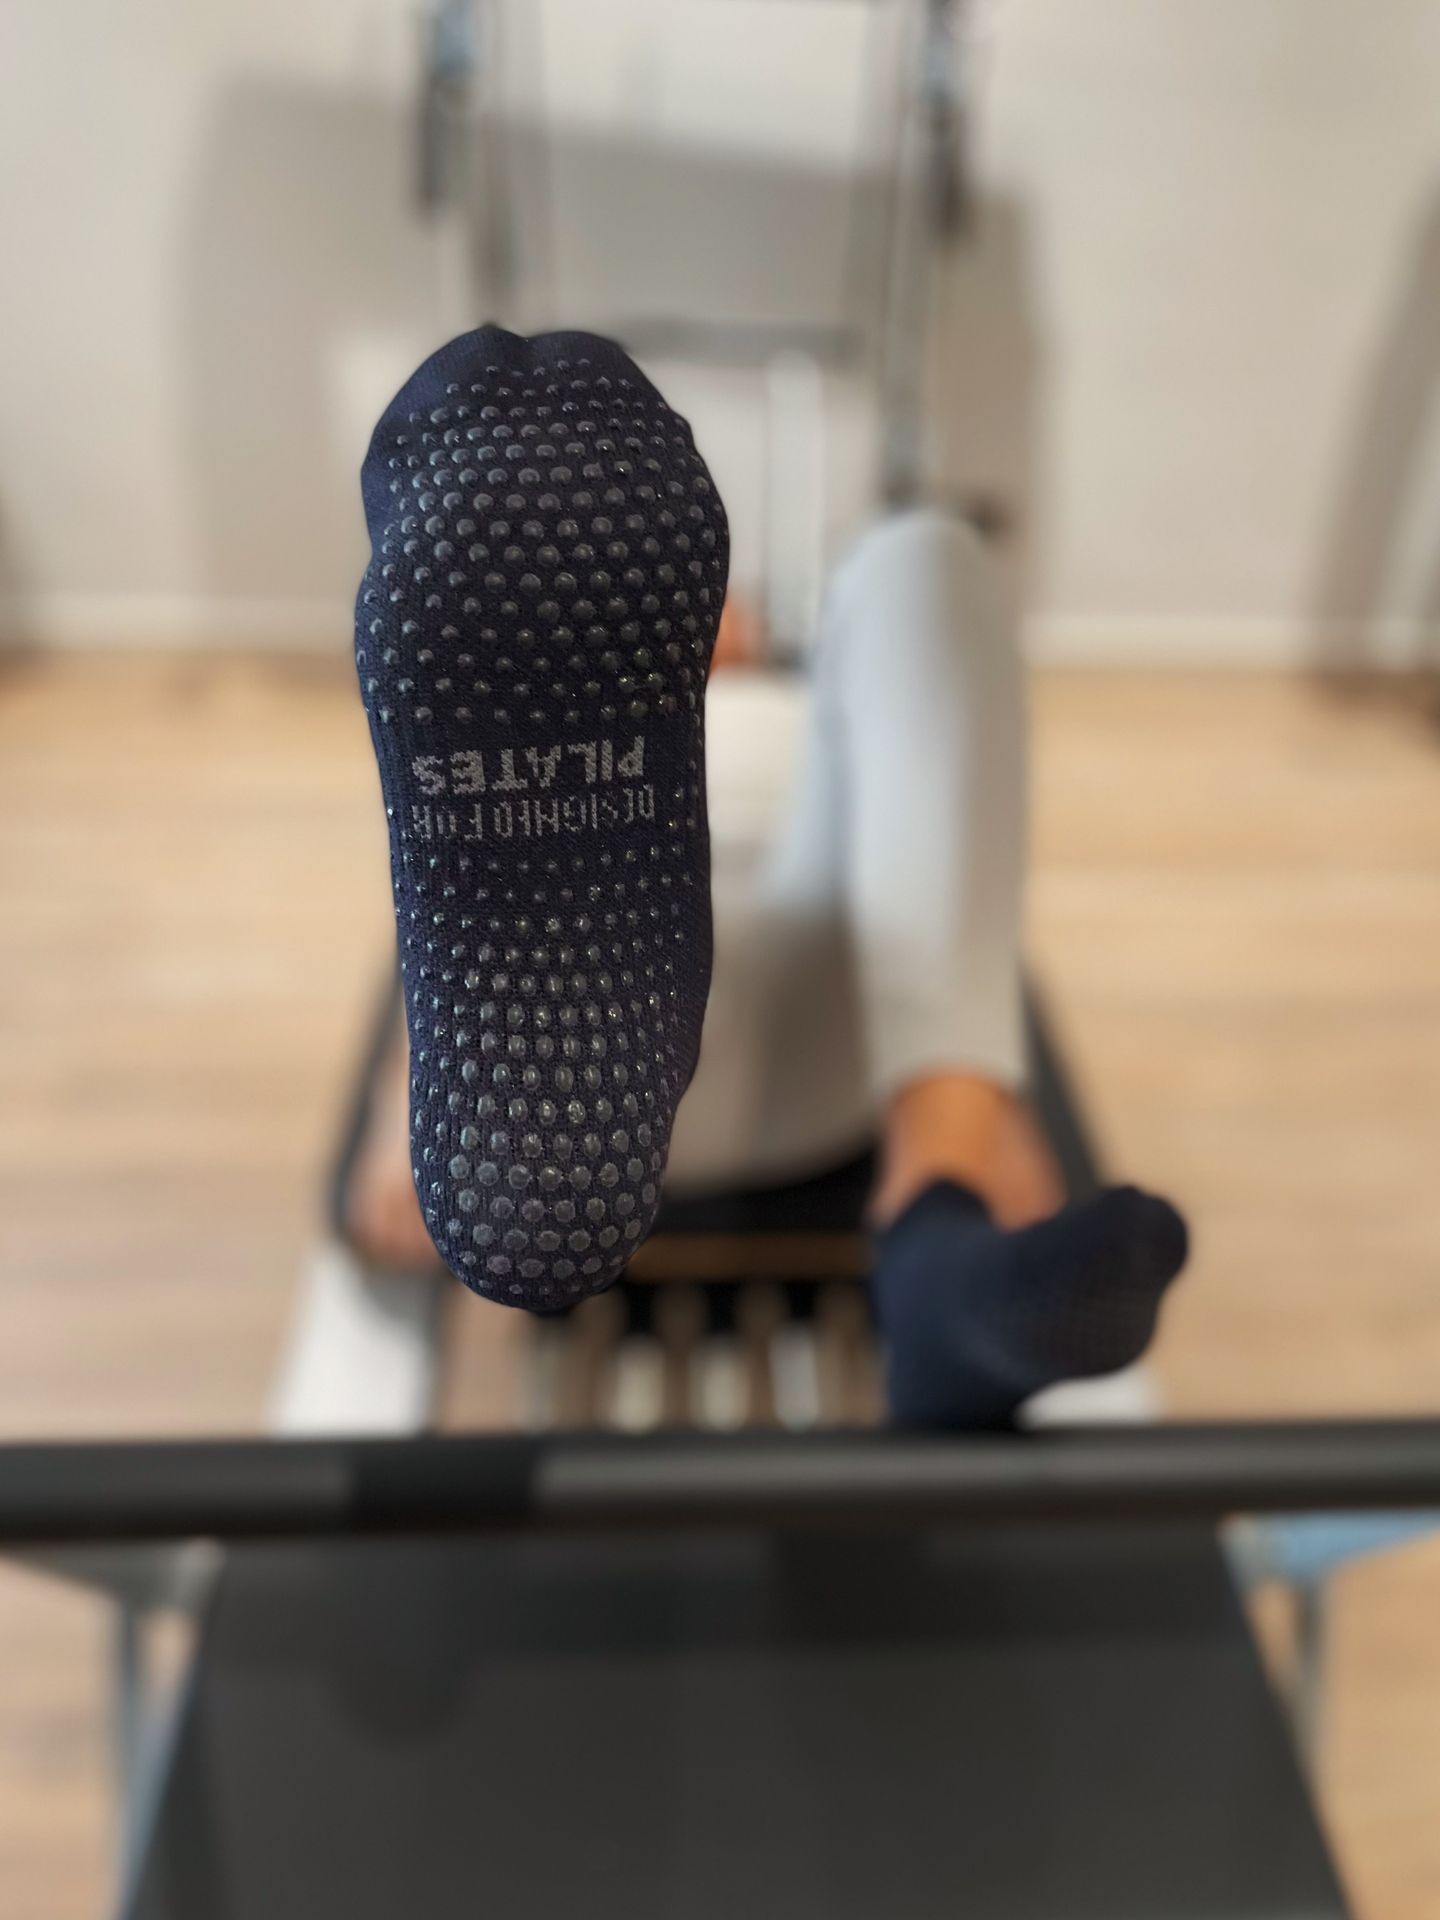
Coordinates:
231	1490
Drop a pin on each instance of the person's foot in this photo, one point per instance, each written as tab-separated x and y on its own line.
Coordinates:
533	634
380	1209
977	1317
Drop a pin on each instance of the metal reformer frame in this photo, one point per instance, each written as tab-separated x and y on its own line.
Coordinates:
927	206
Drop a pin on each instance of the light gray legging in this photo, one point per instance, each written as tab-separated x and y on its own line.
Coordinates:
869	846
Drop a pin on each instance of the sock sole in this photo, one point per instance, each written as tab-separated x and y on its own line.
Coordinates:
533	636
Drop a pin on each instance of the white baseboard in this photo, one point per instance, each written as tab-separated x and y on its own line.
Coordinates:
183	621
1198	641
201	622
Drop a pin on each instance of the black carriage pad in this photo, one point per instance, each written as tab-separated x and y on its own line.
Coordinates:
1022	1724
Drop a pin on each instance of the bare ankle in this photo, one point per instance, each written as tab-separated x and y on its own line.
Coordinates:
972	1130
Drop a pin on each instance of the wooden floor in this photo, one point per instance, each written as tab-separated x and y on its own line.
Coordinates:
1236	909
1237	906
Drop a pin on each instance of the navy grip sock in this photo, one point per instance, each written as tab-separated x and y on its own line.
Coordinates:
976	1318
533	635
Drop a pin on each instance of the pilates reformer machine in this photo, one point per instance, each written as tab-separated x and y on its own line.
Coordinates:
696	1638
839	1674
769	1663
743	1308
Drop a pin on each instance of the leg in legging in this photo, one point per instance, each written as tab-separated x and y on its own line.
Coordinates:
869	858
986	1289
920	686
867	981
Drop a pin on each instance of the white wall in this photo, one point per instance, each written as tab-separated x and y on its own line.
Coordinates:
1199	333
1236	221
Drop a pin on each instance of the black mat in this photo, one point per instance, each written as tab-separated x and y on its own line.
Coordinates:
1039	1723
